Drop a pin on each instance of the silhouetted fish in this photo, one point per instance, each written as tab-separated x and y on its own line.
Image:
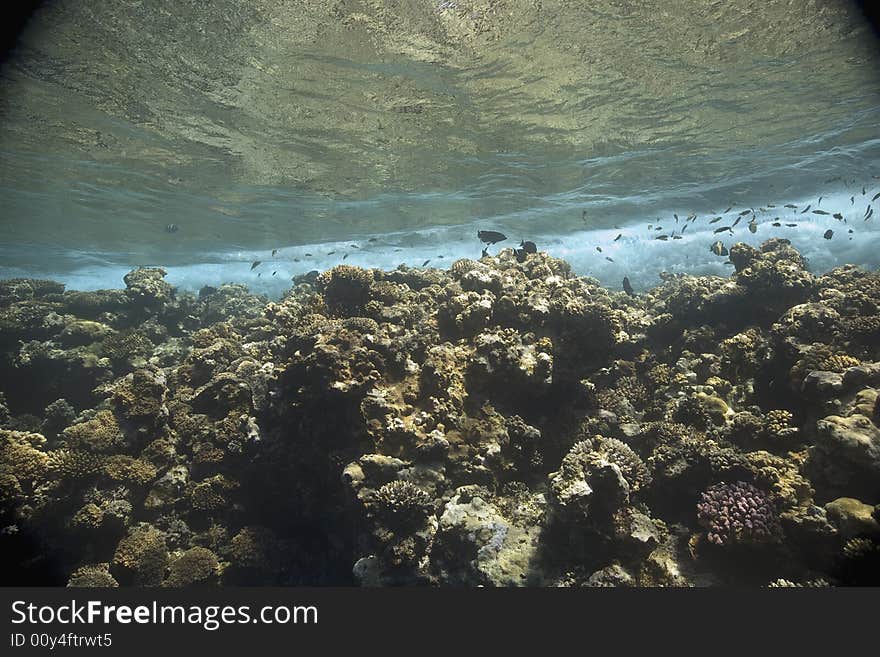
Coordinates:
722	229
599	249
274	252
805	209
753	227
828	234
837	216
425	263
728	210
718	248
789	205
491	236
745	212
716	220
529	247
609	259
171	228
627	287
618	237
820	212
255	264
876	196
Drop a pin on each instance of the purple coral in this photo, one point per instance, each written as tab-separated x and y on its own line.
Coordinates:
738	513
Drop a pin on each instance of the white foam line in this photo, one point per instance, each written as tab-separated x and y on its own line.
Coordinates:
637	254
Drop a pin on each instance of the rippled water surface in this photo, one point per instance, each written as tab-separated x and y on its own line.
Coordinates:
309	127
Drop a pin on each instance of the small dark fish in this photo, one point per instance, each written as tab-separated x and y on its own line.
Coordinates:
850	231
828	234
296	259
745	212
618	237
717	219
728	210
599	249
684	228
425	263
345	256
372	239
330	252
484	253
820	212
308	255
805	209
658	228
584	216
738	219
722	229
876	196
863	191
171	228
255	264
753	227
718	248
870	214
791	225
491	236
609	259
353	246
274	252
819	202
837	216
259	275
692	217
528	247
676	237
627	287
771	205
867	210
852	200
662	238
675	215
789	205
274	272
776	223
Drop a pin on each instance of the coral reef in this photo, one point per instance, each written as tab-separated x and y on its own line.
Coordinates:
500	423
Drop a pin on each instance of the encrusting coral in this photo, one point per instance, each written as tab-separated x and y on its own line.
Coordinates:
500	423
